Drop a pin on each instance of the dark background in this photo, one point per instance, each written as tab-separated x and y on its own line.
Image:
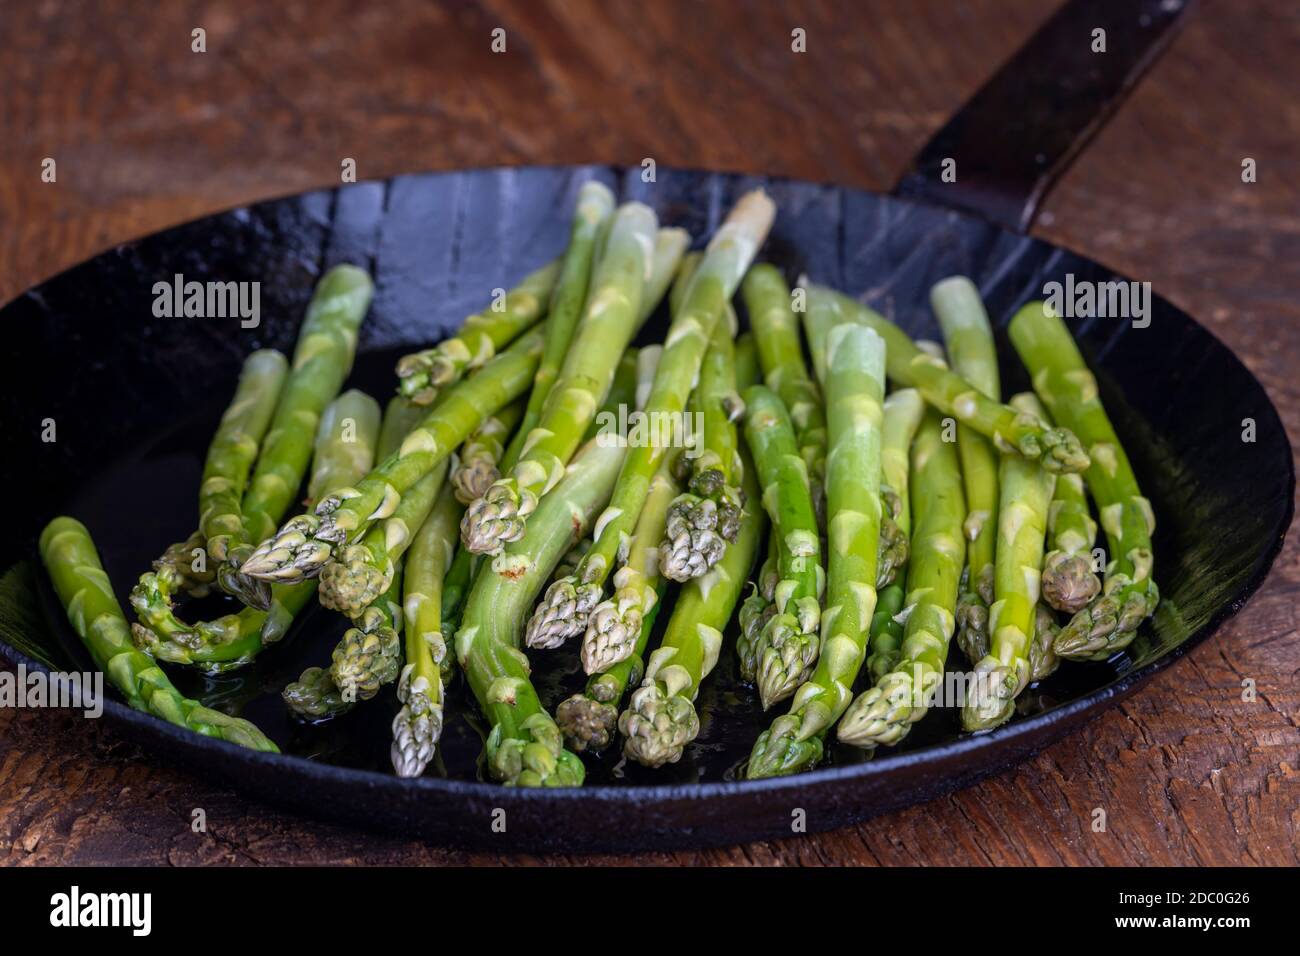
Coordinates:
147	134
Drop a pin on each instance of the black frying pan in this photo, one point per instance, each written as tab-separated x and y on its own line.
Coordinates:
135	400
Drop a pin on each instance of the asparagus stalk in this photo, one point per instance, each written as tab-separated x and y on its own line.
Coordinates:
660	719
353	579
401	416
1057	448
345	443
855	388
540	632
619	630
706	517
904	409
1129	595
345	450
418	725
1026	495
956	301
776	332
305	543
1069	583
87	596
421	374
225	474
234	449
603	333
747	367
563	611
524	747
615	625
479	457
322	359
885	713
787	646
591	217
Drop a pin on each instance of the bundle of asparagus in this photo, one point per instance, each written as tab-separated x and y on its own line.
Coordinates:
942	511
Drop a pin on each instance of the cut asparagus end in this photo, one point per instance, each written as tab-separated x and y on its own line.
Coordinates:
657	726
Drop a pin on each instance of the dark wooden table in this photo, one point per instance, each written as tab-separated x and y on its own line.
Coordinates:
147	133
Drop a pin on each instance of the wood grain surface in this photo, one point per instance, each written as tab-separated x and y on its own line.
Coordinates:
147	133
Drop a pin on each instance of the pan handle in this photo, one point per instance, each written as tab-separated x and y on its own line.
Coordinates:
1007	146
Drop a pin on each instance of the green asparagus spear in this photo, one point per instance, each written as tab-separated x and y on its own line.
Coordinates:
418	725
885	713
234	449
776	332
421	374
345	443
83	587
184	566
1057	448
615	625
1129	595
563	611
305	543
855	388
660	719
592	216
355	577
706	517
1069	583
747	367
322	358
482	451
1026	495
956	301
614	647
401	416
365	659
524	747
787	646
345	450
603	333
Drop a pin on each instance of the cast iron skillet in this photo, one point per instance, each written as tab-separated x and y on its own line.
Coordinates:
135	399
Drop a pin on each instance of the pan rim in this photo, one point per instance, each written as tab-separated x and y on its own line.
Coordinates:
1023	730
